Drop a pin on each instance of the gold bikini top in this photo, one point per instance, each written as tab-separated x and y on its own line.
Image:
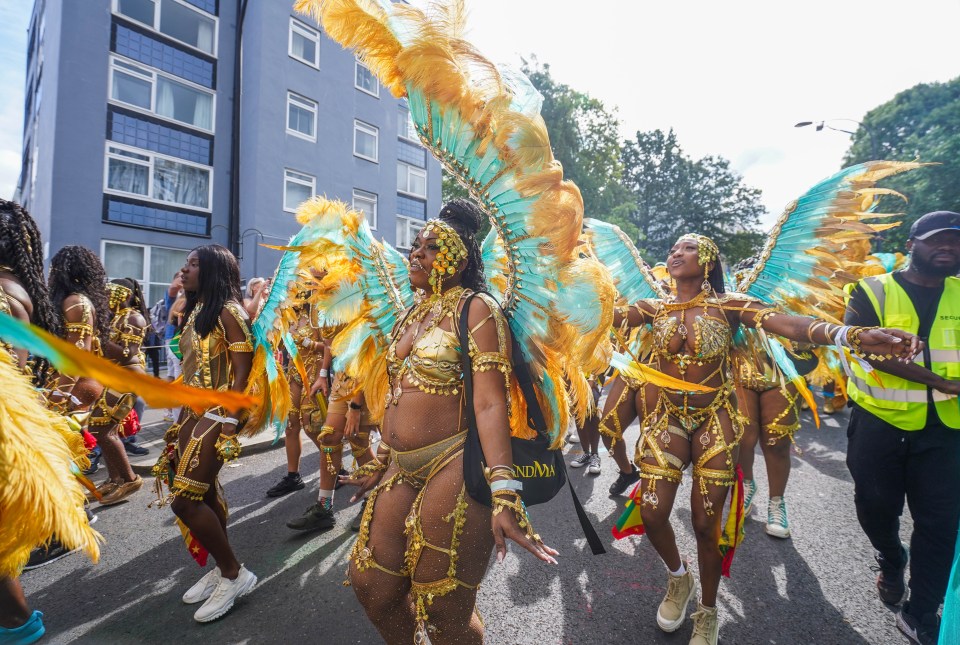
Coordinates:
206	361
434	363
712	336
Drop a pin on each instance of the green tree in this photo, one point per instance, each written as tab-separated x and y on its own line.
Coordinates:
921	123
675	194
584	135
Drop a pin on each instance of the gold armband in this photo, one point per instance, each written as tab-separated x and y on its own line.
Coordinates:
485	361
761	315
243	346
228	447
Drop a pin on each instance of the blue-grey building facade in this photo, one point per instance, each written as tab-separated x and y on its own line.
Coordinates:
155	126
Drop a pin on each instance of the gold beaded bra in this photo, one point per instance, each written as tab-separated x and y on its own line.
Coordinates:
712	336
206	362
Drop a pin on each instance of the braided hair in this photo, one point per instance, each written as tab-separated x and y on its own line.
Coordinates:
21	249
219	284
466	218
138	302
77	270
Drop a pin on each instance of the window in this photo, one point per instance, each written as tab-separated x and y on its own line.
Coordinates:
407	230
155	92
304	44
411	180
366	202
405	128
364	79
142	174
153	266
175	19
365	138
301	116
297	188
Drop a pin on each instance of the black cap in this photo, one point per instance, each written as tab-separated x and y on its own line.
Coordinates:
933	223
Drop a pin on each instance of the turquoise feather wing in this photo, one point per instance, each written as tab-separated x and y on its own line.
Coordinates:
614	249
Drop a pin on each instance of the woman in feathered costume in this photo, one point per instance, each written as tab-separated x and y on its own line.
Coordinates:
692	338
424	543
39	497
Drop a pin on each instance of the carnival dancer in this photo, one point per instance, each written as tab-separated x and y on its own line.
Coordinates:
128	327
348	419
424	544
30	435
904	428
217	354
692	339
310	348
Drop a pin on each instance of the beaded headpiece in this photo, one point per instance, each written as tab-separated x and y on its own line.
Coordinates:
118	295
707	250
452	251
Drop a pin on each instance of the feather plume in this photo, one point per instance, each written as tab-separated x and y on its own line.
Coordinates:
39	495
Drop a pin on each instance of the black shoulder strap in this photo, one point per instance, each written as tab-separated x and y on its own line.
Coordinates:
534	414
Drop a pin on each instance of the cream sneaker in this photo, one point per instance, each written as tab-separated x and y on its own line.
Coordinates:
223	597
673	608
204	587
777	524
706	627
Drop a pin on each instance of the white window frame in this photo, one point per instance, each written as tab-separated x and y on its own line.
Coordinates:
409	223
304	103
149	196
150	74
412	170
371	130
157	10
373	199
405	133
358	64
146	282
297	180
307	32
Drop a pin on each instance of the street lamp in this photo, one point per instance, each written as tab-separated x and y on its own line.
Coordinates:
820	125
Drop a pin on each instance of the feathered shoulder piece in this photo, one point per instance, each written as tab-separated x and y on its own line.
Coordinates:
363	289
483	123
802	265
613	248
39	496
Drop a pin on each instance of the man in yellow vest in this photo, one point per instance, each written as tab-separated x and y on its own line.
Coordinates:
904	432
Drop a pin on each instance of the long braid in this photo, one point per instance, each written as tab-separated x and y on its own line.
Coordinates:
21	248
77	270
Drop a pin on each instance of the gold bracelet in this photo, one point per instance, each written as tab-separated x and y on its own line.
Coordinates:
228	447
510	499
370	468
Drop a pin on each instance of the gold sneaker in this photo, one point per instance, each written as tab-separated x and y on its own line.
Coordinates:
104	489
673	608
122	492
706	627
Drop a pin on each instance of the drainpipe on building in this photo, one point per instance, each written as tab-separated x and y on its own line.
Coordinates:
233	227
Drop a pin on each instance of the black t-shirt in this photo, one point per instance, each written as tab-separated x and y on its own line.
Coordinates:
925	300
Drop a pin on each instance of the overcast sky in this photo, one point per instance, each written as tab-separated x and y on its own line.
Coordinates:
730	77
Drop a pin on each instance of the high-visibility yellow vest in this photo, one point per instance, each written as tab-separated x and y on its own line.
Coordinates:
896	400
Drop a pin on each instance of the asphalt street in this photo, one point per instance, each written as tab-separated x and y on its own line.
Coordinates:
817	587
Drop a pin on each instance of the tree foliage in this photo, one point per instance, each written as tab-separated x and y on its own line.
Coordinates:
646	185
920	123
675	194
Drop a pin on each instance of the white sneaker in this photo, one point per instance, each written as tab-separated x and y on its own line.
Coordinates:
581	461
203	588
777	524
573	437
224	595
594	467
